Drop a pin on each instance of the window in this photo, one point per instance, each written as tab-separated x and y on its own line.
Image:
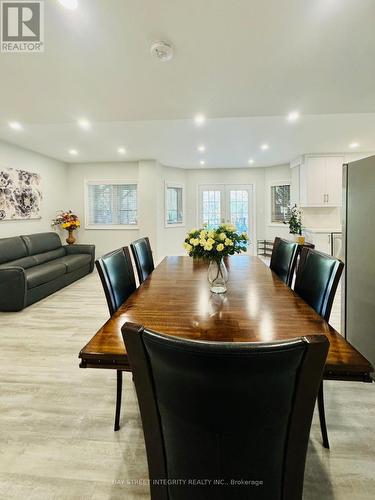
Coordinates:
174	205
280	203
111	204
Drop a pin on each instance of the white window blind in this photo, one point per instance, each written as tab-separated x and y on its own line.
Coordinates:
111	204
280	203
174	205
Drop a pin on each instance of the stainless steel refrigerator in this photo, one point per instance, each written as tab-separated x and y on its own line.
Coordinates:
358	304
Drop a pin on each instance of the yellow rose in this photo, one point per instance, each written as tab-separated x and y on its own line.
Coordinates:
230	227
211	234
210	241
208	247
220	247
222	236
228	242
188	247
202	234
245	236
202	242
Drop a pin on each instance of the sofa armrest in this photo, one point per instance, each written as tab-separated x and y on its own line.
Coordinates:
77	249
12	289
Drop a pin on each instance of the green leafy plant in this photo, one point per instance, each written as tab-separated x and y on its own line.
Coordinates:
295	221
213	244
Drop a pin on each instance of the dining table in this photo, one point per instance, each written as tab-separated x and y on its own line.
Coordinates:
257	307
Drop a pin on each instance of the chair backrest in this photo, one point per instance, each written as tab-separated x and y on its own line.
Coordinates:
117	276
225	411
283	259
142	254
318	275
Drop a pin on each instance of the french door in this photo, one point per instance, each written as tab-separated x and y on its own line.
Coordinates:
219	203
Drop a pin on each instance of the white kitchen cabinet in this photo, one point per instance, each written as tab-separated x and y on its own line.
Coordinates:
322	238
321	181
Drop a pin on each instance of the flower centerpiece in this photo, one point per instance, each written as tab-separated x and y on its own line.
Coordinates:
295	224
69	221
213	245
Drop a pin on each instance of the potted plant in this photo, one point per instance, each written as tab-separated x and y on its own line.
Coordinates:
213	245
295	224
69	221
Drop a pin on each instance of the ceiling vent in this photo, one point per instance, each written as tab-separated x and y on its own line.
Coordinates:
162	50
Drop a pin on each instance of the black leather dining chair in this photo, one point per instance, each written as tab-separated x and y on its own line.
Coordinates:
225	412
117	276
317	278
284	259
144	262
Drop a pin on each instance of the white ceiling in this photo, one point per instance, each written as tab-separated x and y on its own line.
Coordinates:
243	63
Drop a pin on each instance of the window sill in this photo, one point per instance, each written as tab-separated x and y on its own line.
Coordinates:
111	228
173	226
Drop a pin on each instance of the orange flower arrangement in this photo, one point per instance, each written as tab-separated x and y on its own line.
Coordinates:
69	221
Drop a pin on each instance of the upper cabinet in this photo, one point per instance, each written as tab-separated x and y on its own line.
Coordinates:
320	180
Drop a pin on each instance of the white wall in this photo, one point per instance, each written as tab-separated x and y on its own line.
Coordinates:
64	188
55	189
151	177
172	237
274	175
104	239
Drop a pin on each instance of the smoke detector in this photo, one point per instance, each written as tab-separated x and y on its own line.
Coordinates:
162	50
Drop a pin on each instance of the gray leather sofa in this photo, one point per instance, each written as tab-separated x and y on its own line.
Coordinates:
34	266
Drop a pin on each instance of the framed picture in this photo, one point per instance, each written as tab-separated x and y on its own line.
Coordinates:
20	194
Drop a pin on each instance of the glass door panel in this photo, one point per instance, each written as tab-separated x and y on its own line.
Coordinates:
239	209
211	206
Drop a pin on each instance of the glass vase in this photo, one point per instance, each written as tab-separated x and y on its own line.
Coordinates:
217	276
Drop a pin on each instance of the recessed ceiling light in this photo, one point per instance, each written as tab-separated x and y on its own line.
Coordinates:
73	152
15	125
201	148
85	124
69	4
293	116
199	119
264	146
251	161
354	145
121	150
202	162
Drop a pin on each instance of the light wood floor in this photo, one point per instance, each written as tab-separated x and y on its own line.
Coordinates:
56	420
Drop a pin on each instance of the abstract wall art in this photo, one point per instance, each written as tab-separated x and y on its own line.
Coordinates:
20	194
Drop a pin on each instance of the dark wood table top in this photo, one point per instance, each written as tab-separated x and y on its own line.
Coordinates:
258	306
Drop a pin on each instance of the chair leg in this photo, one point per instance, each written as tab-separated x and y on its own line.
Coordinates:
322	416
118	400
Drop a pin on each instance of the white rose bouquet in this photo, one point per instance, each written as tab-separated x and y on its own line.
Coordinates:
214	244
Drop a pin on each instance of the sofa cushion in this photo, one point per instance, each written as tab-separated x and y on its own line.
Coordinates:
47	256
38	275
25	263
12	249
41	242
74	262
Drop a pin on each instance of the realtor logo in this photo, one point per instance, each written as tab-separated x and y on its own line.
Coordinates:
22	26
